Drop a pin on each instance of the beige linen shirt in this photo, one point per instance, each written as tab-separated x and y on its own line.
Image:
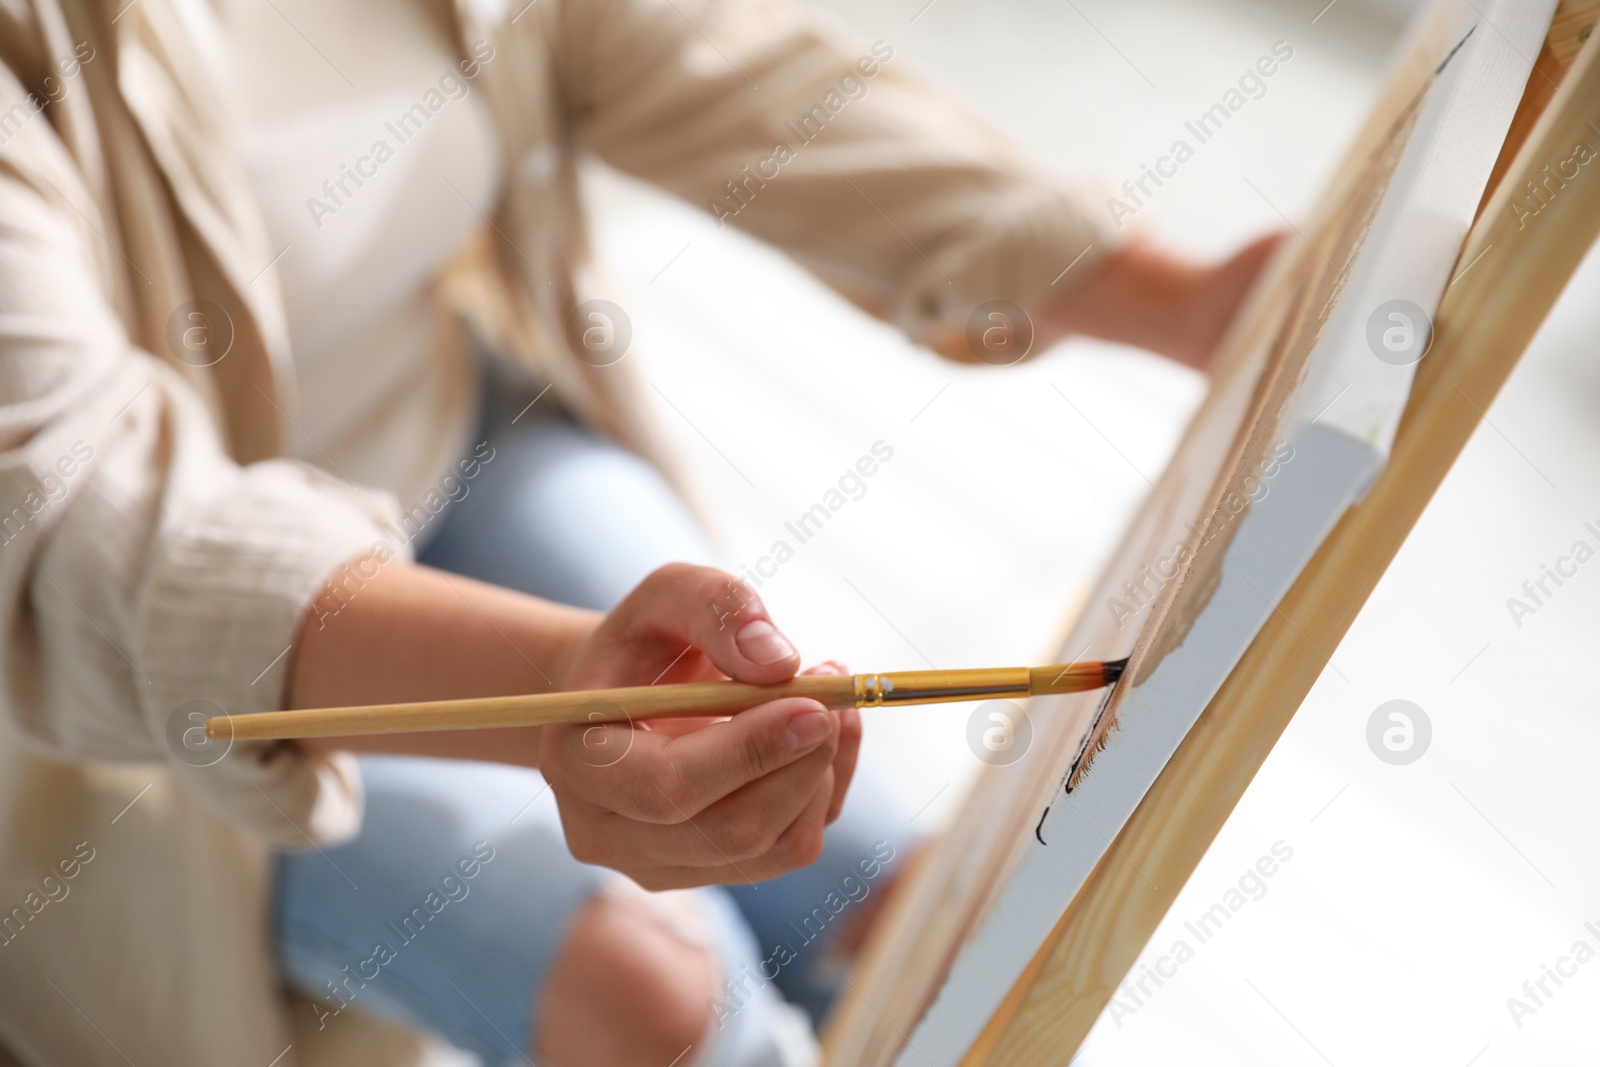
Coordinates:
155	546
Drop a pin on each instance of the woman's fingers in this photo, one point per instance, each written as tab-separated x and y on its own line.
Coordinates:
844	759
748	828
683	607
797	846
653	778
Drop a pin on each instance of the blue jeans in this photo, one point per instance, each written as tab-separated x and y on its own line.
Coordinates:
447	910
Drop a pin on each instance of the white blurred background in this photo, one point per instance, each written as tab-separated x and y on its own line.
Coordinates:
1418	898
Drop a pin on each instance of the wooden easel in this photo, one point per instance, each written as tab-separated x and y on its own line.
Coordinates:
1509	273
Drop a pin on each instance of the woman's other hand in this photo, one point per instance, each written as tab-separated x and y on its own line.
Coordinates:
1148	296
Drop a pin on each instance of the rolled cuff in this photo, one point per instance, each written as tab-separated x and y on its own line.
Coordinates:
222	605
1031	247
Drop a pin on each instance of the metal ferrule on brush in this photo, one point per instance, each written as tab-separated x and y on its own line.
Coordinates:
933	687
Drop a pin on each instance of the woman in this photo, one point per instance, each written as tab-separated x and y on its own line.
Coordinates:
249	256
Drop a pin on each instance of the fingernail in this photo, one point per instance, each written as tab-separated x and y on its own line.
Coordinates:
808	729
761	642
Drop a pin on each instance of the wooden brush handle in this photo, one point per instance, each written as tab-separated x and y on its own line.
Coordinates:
713	699
539	709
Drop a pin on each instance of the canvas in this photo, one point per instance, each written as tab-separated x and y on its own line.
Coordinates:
1304	407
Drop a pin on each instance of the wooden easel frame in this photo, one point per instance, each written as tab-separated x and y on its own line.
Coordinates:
1510	272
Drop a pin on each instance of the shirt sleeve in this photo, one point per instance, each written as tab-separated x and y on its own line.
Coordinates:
141	568
834	150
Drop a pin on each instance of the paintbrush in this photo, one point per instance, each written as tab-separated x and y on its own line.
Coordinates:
702	699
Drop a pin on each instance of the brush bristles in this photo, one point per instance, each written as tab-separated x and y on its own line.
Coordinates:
1075	677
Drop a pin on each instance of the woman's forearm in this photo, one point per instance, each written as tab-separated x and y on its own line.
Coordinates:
414	633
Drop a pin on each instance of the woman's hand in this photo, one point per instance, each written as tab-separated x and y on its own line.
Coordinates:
1147	296
698	802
